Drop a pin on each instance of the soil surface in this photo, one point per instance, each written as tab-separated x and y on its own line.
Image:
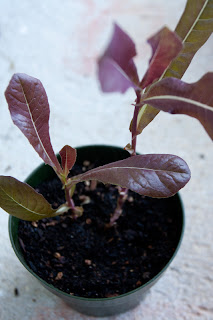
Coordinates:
84	258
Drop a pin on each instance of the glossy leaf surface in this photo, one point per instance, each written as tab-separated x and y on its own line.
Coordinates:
22	201
68	158
29	108
166	45
175	96
152	175
194	28
116	69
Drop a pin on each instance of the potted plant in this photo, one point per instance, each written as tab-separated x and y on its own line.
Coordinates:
82	213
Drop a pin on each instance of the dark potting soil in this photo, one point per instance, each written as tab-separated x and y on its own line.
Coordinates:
84	258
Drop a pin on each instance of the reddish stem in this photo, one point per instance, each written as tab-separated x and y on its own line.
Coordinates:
123	192
93	184
134	122
69	200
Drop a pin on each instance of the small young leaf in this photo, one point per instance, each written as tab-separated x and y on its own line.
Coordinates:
152	175
166	45
177	97
116	69
22	201
62	209
68	158
129	148
29	108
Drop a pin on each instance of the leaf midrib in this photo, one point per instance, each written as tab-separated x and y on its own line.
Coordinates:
196	20
28	107
129	168
187	35
143	108
9	196
182	99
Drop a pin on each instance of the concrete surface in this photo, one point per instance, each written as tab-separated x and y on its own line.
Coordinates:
58	42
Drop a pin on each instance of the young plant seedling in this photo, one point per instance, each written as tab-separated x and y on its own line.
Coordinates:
172	53
153	175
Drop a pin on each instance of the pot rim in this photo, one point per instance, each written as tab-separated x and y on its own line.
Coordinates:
147	284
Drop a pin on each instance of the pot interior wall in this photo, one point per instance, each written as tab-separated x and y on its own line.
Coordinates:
95	307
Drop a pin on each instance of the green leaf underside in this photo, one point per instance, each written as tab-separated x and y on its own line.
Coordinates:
157	176
194	28
22	201
29	108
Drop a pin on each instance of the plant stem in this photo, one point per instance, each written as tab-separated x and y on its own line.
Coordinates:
134	122
76	211
123	192
69	200
93	184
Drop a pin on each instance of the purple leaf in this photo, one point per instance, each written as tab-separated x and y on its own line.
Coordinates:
116	69
22	201
152	175
29	108
68	158
166	45
175	96
194	29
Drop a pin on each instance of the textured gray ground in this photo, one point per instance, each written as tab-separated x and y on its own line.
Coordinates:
58	42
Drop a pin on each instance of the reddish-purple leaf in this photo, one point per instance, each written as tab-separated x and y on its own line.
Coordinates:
194	29
116	69
166	45
29	108
152	175
68	158
175	96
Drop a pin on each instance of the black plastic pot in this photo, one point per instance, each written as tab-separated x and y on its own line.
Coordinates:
95	307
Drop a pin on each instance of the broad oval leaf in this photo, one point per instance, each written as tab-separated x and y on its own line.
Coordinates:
152	175
29	108
166	45
68	158
22	201
116	69
177	97
194	28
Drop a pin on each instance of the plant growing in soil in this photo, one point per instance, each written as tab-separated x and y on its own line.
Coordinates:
153	175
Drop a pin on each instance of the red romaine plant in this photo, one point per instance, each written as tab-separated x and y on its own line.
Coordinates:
154	175
151	175
172	53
